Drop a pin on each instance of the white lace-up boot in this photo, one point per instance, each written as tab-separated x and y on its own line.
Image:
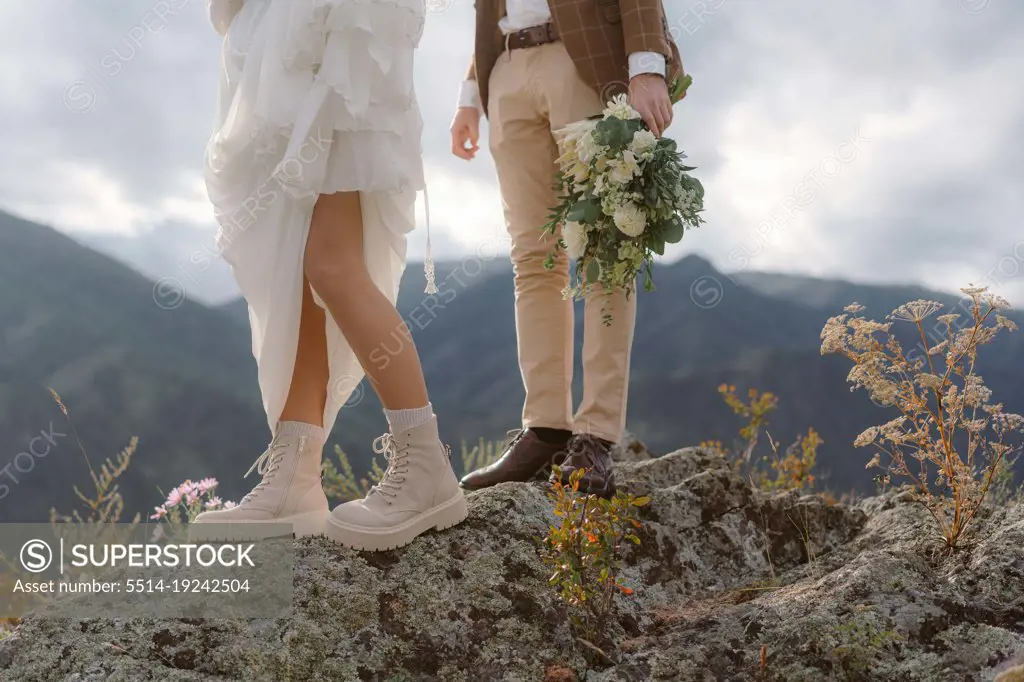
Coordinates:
290	493
418	492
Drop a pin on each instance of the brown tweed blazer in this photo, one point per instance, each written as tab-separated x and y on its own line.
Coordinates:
598	34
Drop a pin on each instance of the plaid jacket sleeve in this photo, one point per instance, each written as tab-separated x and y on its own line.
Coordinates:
645	27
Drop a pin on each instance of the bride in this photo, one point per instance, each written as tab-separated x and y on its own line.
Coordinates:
313	170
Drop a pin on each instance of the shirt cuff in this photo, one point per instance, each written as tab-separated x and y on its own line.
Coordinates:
647	62
469	94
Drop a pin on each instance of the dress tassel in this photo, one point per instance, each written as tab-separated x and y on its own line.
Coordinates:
428	260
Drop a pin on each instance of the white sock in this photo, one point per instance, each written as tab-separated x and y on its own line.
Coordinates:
315	433
403	420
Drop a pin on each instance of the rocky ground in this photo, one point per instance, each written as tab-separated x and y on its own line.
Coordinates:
729	584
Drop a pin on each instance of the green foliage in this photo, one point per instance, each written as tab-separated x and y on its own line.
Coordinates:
584	552
623	194
790	471
1005	491
340	482
679	88
104	504
860	644
481	455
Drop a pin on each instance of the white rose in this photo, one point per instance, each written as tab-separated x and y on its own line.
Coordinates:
620	108
623	170
644	142
575	237
619	174
630	220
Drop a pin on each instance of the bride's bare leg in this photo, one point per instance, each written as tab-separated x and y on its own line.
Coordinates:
291	465
308	392
336	267
419	490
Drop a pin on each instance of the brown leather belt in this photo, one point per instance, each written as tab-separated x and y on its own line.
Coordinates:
532	36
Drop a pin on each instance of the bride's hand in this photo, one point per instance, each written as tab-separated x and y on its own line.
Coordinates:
466	133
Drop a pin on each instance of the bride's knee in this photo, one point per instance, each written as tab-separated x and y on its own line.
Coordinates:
326	269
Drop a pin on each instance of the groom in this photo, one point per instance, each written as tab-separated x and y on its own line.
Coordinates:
540	65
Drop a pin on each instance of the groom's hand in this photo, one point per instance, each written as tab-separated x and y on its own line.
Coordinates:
648	94
466	133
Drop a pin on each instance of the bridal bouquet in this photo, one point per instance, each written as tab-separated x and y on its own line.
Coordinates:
624	195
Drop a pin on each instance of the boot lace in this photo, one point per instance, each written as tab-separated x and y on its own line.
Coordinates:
394	476
266	465
583	453
514	436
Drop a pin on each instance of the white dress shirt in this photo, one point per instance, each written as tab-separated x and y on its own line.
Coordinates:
526	13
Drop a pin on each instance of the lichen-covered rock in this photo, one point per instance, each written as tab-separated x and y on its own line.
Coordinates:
630	449
886	606
724	576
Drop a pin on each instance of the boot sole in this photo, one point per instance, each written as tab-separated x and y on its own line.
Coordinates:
304	525
441	517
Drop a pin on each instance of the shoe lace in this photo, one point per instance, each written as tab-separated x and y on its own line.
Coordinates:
394	475
266	465
581	453
514	435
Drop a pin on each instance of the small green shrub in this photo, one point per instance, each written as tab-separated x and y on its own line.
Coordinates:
584	552
483	454
793	470
340	482
860	644
105	504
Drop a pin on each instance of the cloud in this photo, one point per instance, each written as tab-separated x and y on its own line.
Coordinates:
108	104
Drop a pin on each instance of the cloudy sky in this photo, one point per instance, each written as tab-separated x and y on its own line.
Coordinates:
870	141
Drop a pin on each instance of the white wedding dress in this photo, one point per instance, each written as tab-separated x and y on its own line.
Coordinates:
316	97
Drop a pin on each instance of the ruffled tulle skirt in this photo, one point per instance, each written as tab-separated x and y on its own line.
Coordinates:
316	97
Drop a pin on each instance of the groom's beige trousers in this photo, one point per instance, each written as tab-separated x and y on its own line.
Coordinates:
533	92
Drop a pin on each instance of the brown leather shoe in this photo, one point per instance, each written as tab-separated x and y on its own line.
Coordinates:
524	458
594	455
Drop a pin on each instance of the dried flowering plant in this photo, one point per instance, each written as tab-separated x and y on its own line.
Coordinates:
950	439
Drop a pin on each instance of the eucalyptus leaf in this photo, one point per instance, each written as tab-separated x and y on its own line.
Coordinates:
585	211
614	133
673	231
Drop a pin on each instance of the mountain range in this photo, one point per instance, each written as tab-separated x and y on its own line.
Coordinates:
128	358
